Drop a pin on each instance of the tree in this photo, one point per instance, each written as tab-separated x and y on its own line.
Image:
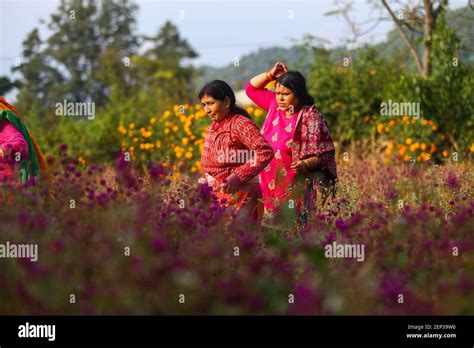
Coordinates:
415	21
68	64
164	70
6	85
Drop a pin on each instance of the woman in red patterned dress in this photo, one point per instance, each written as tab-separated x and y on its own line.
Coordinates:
234	152
304	151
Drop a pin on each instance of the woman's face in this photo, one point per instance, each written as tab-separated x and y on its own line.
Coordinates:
216	110
286	99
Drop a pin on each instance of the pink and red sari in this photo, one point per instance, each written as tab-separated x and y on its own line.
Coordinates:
295	137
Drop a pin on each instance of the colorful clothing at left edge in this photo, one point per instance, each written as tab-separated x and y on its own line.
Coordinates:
18	145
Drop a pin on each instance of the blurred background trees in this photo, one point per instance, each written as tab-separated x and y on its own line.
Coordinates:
94	54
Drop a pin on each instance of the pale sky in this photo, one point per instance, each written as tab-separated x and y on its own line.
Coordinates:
219	30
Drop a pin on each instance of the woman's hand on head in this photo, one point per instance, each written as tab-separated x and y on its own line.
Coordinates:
278	69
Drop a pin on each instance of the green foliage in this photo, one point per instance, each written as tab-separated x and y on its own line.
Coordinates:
446	96
349	92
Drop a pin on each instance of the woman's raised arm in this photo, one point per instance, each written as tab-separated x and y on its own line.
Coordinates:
261	80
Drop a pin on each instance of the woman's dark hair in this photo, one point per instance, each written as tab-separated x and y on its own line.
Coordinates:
219	90
295	81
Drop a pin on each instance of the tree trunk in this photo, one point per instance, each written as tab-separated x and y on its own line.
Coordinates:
428	27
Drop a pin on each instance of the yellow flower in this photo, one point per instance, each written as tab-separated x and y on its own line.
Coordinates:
193	169
158	143
405	118
167	130
434	128
152	120
380	128
406	158
185	141
425	156
142	146
250	109
176	108
122	130
472	147
258	113
414	147
423	146
131	126
391	123
166	113
175	128
188	155
179	154
408	141
402	150
135	139
387	129
132	148
445	153
432	148
388	150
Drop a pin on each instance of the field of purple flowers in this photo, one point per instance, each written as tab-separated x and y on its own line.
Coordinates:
115	240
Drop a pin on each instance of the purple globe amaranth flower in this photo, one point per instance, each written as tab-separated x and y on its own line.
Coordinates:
452	180
63	147
159	244
330	237
307	301
341	224
392	284
156	171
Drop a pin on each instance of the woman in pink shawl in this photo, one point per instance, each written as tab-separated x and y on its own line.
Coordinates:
304	151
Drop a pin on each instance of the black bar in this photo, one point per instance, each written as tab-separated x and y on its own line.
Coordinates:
138	330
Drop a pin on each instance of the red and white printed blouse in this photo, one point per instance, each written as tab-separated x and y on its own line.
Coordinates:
234	145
